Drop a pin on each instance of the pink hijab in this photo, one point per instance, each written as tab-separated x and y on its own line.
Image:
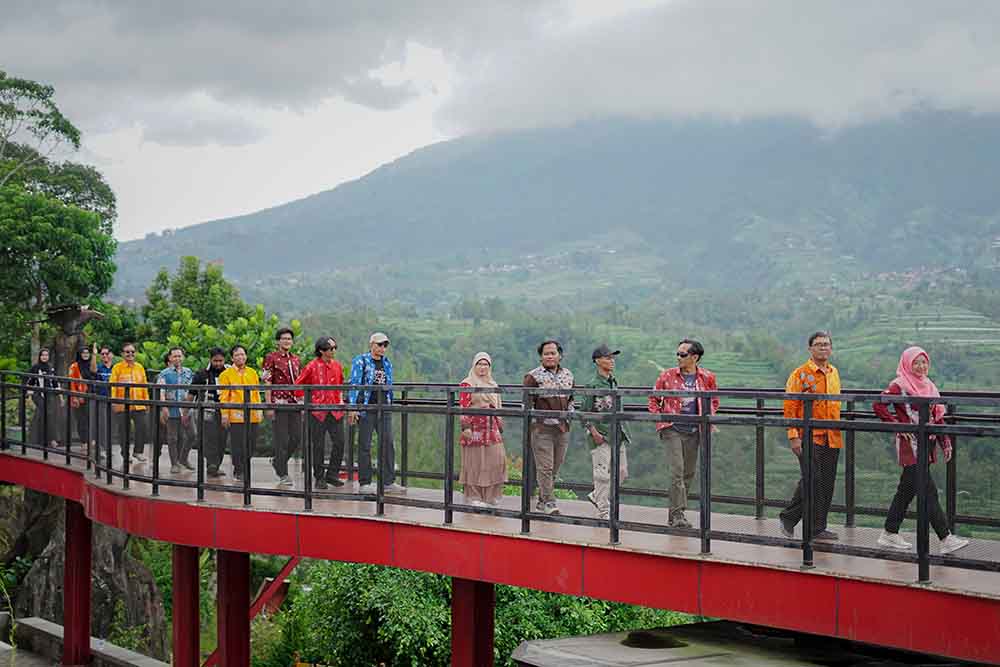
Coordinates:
916	385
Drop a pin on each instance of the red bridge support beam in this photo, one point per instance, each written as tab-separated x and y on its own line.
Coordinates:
234	602
186	646
76	586
472	604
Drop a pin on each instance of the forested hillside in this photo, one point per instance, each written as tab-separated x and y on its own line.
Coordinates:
751	204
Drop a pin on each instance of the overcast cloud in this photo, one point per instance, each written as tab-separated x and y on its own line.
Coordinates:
199	110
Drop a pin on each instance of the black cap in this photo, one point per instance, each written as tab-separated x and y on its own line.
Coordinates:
604	351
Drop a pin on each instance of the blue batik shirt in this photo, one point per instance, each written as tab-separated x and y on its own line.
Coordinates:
364	370
172	376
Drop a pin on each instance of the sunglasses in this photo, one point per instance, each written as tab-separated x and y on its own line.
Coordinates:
682	355
129	352
383	344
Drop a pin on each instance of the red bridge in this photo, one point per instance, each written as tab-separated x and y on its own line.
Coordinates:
945	605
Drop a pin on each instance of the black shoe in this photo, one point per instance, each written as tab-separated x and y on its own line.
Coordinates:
215	472
335	482
826	535
320	484
238	477
787	531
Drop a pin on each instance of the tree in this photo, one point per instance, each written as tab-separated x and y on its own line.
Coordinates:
30	117
205	293
50	253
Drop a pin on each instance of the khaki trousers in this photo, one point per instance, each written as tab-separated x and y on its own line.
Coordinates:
682	454
548	447
600	456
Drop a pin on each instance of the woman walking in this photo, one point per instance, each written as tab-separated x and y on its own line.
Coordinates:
45	422
484	459
912	380
84	368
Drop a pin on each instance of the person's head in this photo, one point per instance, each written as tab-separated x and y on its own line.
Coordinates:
550	352
916	360
217	358
106	356
689	353
483	366
238	354
821	346
285	338
378	343
83	354
326	347
44	355
604	358
128	353
175	357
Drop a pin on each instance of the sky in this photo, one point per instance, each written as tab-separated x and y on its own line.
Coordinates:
197	111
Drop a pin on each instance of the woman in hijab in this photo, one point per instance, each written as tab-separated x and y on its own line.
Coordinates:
84	368
912	380
42	376
484	460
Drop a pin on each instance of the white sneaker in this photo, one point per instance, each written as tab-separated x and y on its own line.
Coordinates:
285	481
175	469
893	541
550	508
396	488
478	503
953	543
367	489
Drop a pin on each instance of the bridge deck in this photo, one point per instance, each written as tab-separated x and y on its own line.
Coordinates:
944	579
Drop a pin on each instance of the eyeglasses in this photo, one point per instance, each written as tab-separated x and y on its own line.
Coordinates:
384	343
128	352
683	354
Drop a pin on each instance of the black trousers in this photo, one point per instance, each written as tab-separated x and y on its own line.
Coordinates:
137	437
215	442
905	493
824	479
287	435
366	427
81	415
317	429
238	443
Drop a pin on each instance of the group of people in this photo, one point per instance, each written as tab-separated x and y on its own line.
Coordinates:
483	457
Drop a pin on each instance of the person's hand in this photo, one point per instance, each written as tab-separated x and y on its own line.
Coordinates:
164	415
467	433
269	414
796	445
598	438
185	418
225	421
352	418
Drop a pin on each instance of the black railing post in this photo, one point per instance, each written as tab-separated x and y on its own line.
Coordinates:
526	461
43	391
759	463
849	478
109	416
200	491
126	438
69	422
705	492
404	440
923	516
91	422
3	412
616	457
951	476
808	483
247	453
154	454
449	457
380	429
349	445
22	409
307	446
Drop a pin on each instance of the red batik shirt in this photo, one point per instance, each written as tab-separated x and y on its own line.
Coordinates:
282	368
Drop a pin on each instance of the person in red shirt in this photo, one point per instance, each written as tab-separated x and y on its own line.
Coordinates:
282	367
325	370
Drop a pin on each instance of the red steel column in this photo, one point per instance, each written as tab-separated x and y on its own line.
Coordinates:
186	617
234	608
76	586
472	605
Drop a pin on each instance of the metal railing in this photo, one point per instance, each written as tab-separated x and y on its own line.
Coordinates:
745	408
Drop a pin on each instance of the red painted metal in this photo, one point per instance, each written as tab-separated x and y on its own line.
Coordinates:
892	614
233	569
76	586
472	605
186	619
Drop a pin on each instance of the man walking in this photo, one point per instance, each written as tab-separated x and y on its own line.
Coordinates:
180	430
324	370
682	439
549	435
374	368
282	367
816	376
215	434
600	432
126	372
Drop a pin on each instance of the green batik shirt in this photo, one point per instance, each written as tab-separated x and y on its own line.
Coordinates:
598	403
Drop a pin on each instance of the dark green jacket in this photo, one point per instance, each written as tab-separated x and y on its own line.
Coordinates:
601	403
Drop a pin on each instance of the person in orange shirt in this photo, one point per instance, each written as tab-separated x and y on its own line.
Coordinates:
84	368
816	376
239	374
129	371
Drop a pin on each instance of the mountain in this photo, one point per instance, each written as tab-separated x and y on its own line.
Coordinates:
696	203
